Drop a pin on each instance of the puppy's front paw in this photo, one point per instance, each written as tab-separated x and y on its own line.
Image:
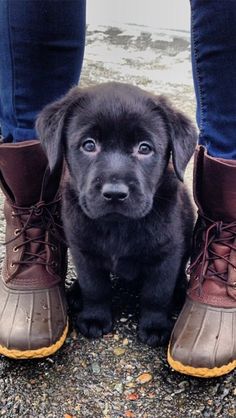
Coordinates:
154	330
93	325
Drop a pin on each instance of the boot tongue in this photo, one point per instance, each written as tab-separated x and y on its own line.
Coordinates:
22	170
218	197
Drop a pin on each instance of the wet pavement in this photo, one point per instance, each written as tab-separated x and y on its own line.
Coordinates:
117	376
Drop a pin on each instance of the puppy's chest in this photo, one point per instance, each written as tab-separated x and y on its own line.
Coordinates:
119	256
114	244
121	250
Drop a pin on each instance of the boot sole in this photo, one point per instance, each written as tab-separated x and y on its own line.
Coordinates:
200	371
37	353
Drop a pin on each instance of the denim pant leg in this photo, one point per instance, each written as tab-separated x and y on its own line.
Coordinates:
214	73
41	54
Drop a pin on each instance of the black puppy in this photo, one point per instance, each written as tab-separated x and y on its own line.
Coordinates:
125	207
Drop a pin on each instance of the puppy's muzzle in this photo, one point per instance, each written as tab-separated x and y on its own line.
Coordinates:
115	192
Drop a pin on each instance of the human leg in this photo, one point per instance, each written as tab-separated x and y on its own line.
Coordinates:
42	49
203	340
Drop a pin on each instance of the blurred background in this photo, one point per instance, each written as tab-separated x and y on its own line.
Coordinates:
146	43
174	14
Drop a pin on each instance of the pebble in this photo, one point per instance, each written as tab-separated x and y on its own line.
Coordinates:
225	393
144	378
130	385
183	384
123	320
116	337
129	414
119	351
74	335
119	388
132	396
95	368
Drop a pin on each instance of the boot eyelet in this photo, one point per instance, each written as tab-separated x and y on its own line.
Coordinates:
38	211
17	232
54	264
234	285
13	214
12	265
54	248
15	249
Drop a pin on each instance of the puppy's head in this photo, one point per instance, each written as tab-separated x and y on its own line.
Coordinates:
117	141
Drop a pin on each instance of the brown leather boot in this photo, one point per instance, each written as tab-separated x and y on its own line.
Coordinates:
33	314
203	342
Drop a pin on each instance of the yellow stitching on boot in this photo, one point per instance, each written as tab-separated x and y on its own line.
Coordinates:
200	371
38	353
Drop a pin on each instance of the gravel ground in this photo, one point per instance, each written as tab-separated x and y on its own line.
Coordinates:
117	376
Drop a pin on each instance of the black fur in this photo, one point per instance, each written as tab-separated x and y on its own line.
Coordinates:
125	210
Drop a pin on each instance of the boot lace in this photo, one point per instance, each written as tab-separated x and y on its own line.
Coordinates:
42	217
216	232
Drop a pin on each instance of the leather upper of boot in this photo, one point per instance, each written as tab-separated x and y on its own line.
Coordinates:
35	257
213	266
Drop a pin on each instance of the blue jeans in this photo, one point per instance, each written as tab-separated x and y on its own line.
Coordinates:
41	50
214	73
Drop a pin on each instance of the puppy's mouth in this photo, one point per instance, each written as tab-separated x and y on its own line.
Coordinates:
115	212
114	217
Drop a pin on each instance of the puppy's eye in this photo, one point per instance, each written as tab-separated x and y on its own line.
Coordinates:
89	145
144	148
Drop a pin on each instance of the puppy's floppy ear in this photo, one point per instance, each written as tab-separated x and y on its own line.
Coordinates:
50	126
182	134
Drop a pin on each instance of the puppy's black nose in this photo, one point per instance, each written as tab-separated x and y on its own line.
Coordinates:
115	192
